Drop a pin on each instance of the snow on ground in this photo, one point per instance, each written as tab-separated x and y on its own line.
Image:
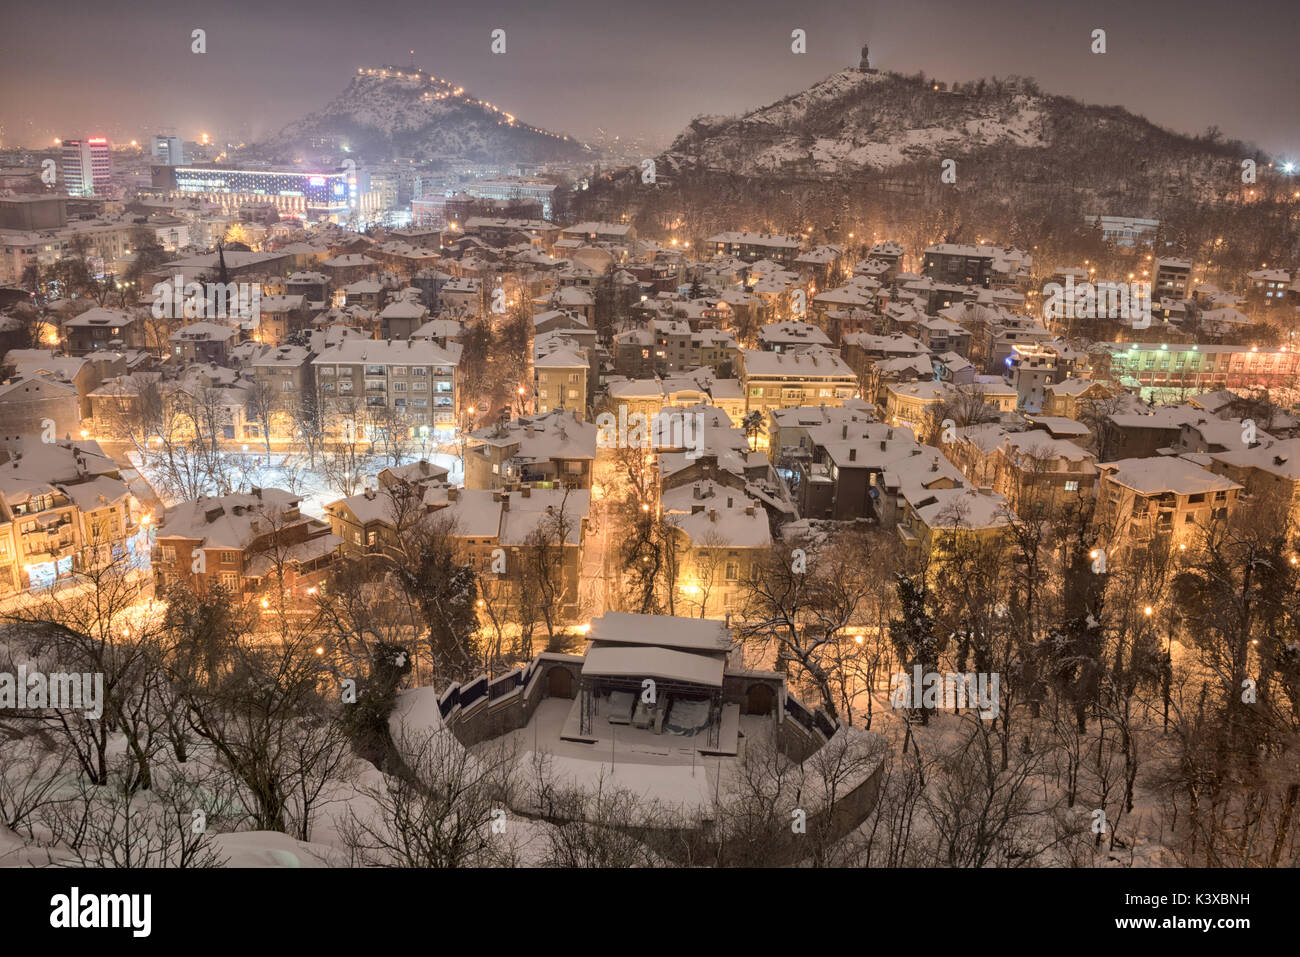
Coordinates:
415	713
669	773
290	471
682	787
273	849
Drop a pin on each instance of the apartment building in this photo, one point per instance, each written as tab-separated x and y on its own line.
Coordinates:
409	384
244	543
553	447
751	247
1030	469
938	522
102	330
1140	500
64	508
975	265
560	374
1173	279
1200	368
910	403
1269	471
781	380
700	386
723	536
540	533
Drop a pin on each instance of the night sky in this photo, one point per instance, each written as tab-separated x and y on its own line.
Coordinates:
636	68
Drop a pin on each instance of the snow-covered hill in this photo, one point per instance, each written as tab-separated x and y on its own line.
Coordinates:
386	112
854	121
867	150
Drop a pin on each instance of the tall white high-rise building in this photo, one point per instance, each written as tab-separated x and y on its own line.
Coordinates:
85	165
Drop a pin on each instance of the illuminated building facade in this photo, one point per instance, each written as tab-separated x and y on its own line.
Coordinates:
85	165
297	195
508	189
1202	368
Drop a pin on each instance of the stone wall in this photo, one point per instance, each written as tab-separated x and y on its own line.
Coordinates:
508	701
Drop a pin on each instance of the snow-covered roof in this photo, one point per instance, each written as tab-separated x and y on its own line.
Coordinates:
800	332
228	521
626	628
1277	457
810	363
1165	473
387	352
774	240
663	663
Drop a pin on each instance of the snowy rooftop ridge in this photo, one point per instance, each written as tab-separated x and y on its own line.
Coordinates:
667	631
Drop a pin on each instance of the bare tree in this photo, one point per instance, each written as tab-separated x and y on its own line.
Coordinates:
438	810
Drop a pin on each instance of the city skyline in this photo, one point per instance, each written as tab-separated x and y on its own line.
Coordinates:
649	87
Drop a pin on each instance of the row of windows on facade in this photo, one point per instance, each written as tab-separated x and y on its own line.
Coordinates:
386	370
443	399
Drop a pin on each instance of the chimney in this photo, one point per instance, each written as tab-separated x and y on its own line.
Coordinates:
713	515
844	431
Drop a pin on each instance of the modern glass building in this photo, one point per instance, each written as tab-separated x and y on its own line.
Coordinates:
301	195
